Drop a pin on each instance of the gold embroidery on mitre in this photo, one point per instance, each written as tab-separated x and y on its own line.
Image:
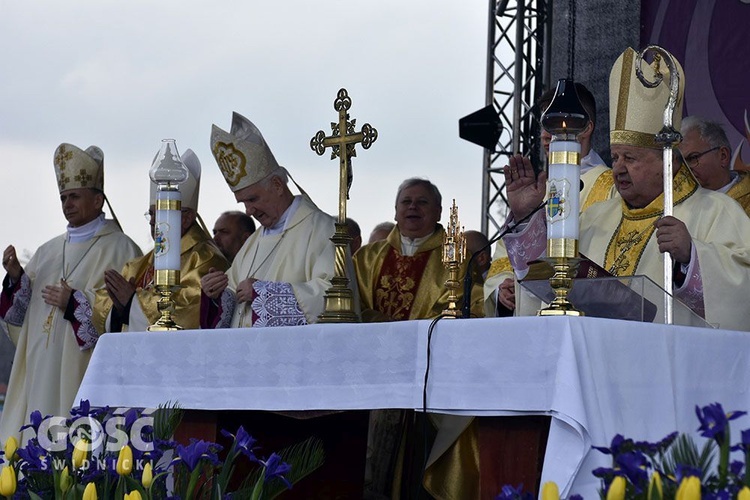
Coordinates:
624	91
231	161
62	181
83	178
62	156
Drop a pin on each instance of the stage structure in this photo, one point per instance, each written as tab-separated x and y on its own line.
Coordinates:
518	70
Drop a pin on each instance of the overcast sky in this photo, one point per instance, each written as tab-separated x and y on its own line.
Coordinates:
125	75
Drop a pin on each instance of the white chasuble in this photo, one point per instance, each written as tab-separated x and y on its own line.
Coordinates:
49	364
301	256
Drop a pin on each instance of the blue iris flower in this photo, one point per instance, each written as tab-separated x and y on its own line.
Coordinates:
243	442
714	421
274	467
196	451
35	420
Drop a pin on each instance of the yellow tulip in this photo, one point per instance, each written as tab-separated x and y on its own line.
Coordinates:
133	495
125	461
90	492
616	489
7	481
80	452
550	491
655	489
65	480
148	476
744	493
11	445
689	489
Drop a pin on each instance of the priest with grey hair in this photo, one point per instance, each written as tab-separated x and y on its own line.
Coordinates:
280	275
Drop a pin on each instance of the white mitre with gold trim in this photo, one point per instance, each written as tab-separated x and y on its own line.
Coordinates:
243	156
76	168
636	112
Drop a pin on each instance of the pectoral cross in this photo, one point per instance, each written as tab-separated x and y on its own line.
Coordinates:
339	297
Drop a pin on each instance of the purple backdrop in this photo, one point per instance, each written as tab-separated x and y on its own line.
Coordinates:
711	39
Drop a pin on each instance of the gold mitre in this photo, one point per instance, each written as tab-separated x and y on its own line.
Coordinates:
243	156
75	168
189	189
636	112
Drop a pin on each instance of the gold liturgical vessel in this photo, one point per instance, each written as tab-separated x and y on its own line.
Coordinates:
454	253
564	119
339	299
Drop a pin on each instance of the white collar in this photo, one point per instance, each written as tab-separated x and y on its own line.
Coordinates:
734	179
590	161
85	232
280	225
409	245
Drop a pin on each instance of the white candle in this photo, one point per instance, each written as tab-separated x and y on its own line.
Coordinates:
563	190
168	231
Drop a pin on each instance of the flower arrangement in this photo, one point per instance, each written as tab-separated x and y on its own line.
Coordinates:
673	468
129	454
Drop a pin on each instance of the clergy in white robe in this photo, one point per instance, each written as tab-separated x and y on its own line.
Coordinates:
708	235
39	304
281	273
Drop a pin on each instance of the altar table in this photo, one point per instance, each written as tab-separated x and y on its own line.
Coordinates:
594	377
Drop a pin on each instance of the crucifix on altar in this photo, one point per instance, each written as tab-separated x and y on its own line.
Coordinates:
339	299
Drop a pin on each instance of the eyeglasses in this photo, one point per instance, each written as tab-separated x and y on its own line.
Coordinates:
692	159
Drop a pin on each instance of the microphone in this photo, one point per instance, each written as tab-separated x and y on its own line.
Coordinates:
466	309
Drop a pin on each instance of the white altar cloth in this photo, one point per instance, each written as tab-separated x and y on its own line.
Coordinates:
595	377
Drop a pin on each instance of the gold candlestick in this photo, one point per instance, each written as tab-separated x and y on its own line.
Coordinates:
339	299
564	119
454	253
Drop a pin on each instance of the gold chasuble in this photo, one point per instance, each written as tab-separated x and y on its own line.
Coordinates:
395	287
198	254
740	191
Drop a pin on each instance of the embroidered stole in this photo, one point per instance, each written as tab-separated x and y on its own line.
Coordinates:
398	283
629	240
600	191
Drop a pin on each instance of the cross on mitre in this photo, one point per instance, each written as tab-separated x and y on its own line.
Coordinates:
83	177
62	156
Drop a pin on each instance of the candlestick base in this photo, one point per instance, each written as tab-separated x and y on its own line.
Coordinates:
339	298
165	306
561	283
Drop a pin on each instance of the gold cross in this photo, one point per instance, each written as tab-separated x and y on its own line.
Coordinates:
62	156
339	298
343	135
83	177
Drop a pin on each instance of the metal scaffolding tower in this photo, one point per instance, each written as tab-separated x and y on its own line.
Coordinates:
518	70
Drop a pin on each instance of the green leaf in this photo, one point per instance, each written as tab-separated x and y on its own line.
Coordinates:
304	457
167	418
684	451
